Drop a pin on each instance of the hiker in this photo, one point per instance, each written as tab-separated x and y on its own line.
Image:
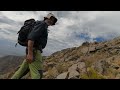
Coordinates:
33	61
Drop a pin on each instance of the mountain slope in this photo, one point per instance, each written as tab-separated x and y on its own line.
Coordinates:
97	60
10	62
88	61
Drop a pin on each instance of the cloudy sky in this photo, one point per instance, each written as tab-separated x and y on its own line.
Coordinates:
72	29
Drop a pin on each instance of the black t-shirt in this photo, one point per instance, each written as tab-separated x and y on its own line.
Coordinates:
39	34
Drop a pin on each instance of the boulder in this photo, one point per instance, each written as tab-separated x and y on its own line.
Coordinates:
63	76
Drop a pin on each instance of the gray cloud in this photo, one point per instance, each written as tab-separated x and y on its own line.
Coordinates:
72	28
6	20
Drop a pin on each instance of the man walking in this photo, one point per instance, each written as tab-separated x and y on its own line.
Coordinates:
36	39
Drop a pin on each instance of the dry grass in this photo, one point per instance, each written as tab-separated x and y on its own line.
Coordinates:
51	73
62	67
92	74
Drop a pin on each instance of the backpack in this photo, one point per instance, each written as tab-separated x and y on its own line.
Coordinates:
24	31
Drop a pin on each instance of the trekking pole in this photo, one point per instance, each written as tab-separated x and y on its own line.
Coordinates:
16	45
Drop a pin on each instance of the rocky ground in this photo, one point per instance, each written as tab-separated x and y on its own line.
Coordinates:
88	61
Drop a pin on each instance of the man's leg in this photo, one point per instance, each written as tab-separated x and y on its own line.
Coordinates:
21	71
36	67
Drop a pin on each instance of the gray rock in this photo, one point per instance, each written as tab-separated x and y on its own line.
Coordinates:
99	47
78	60
115	66
85	44
73	74
117	76
93	48
81	65
75	69
72	68
51	64
62	59
101	66
51	74
98	66
69	58
63	76
85	50
54	71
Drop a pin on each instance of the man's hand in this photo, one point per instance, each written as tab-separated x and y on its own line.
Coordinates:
29	58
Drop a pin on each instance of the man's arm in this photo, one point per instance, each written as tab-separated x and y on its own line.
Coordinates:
30	51
30	47
33	36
